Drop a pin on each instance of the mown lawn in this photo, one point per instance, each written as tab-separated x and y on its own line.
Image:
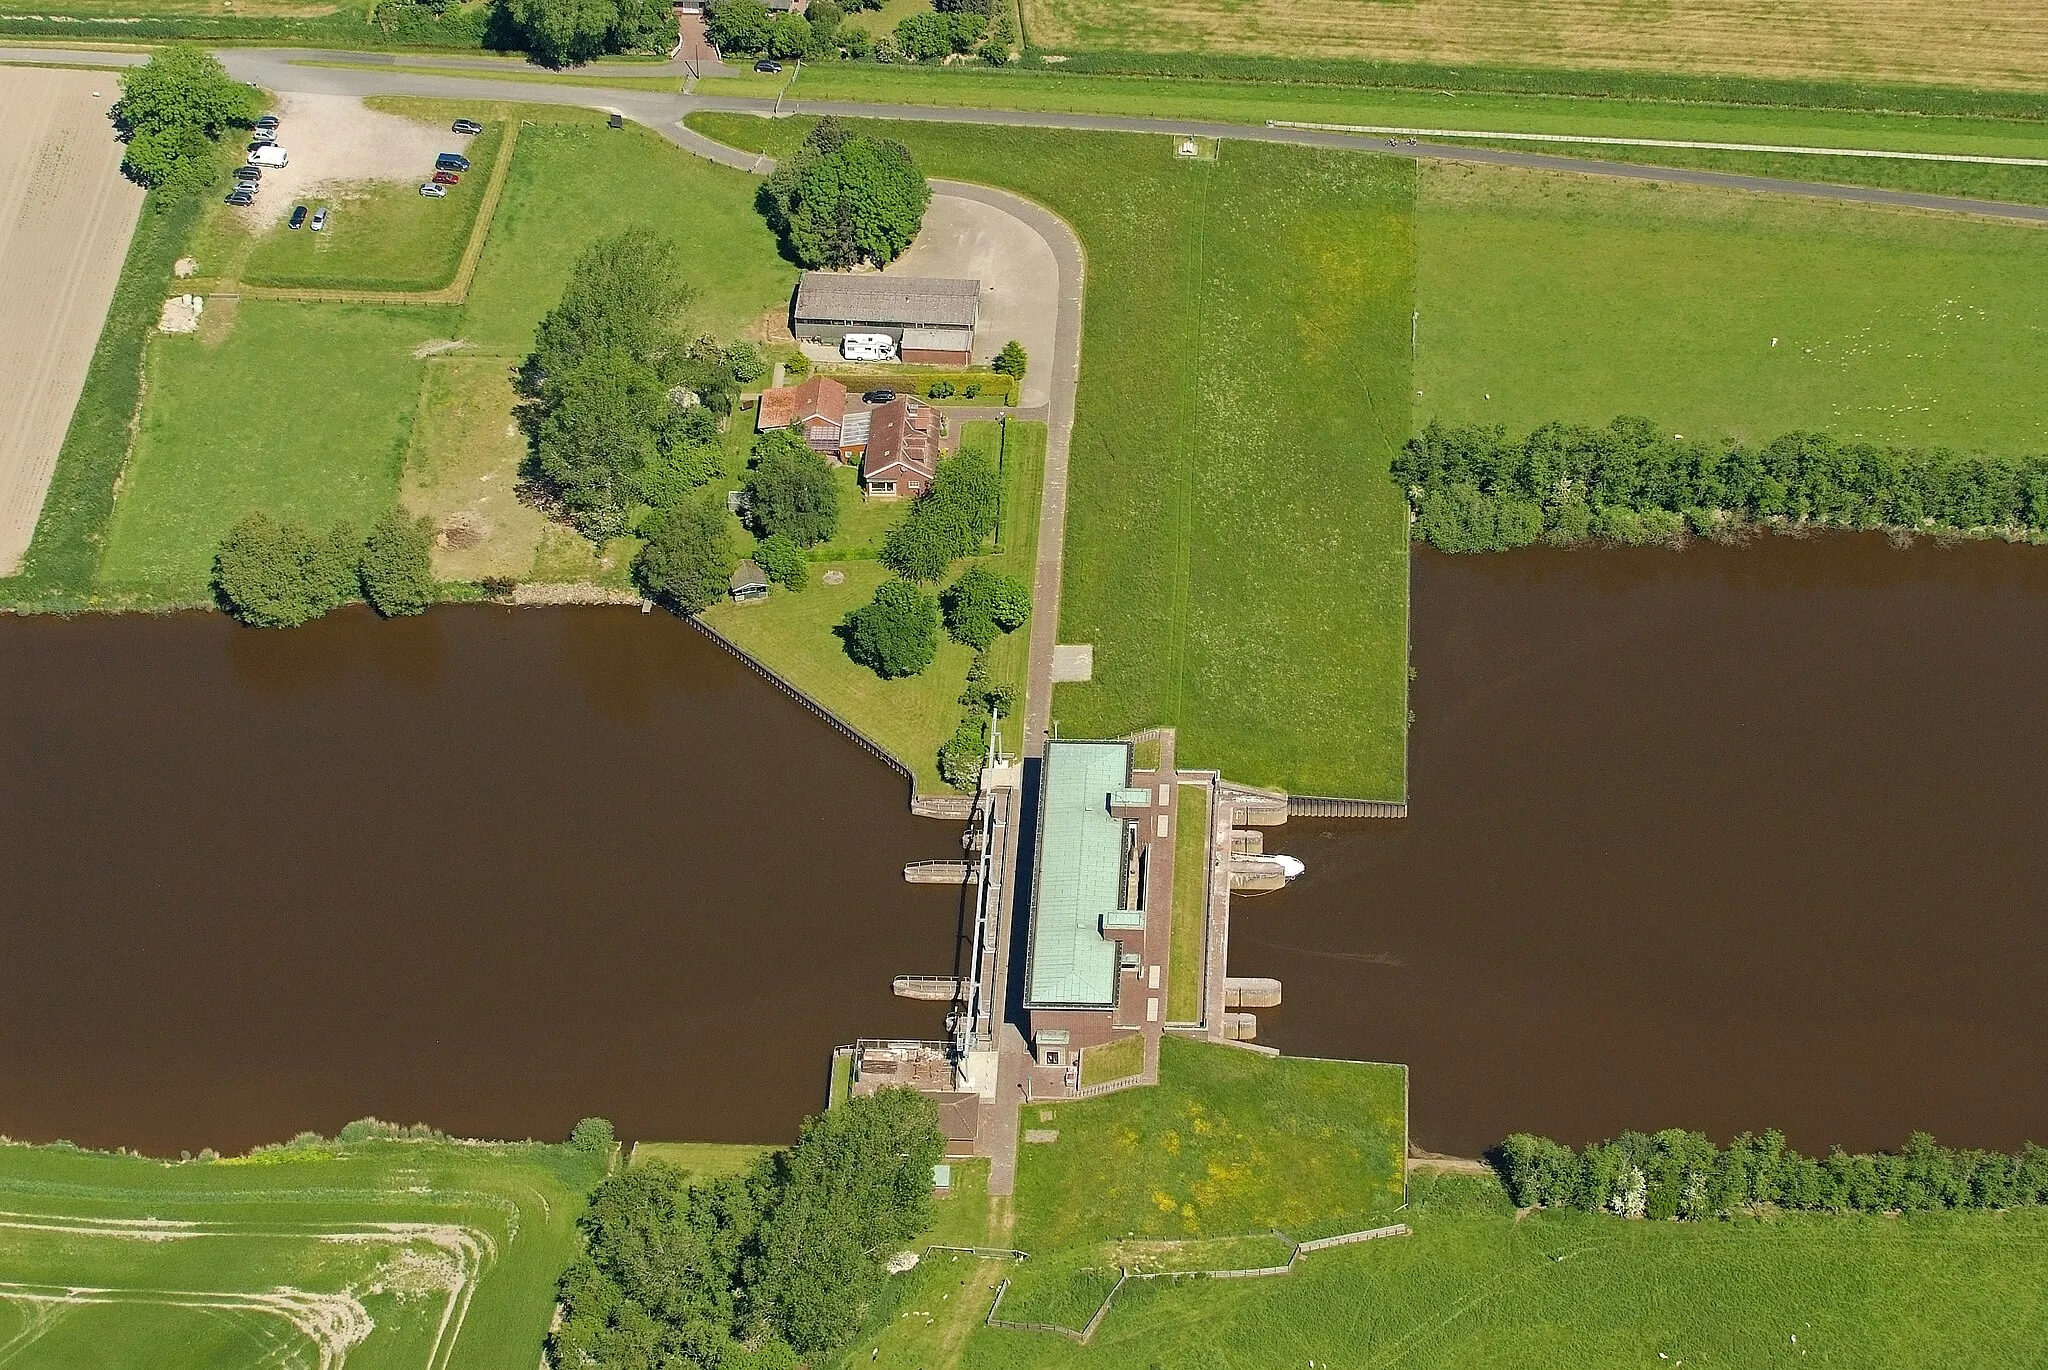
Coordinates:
301	411
1557	297
794	632
702	1160
1235	551
1228	1143
1475	1287
322	1220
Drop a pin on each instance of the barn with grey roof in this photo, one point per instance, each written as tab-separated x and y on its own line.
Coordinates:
931	319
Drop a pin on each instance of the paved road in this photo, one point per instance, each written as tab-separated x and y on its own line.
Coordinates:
273	68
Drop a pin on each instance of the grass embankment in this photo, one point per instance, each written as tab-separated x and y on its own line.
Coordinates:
701	1160
794	632
2005	42
248	1258
1190	938
924	1318
1475	1287
1235	551
1120	1060
1546	297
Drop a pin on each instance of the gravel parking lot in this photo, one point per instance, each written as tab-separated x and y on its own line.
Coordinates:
964	239
336	140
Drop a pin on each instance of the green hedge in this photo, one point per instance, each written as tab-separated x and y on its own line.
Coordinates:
1476	489
64	559
1679	1174
996	388
1622	85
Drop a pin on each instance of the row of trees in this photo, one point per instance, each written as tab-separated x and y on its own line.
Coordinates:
1679	1174
845	198
626	404
897	632
1474	488
278	574
755	1271
821	34
563	31
953	519
173	111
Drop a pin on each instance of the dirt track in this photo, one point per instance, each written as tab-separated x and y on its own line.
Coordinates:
66	215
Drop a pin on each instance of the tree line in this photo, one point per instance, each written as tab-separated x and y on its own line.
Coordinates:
1680	1174
1475	488
760	1271
820	34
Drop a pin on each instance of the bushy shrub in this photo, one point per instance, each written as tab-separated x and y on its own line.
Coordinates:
896	633
1012	360
950	520
272	574
792	490
688	561
983	604
784	562
939	390
397	565
961	757
845	198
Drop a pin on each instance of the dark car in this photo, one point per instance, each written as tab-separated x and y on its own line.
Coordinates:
447	178
298	217
241	195
767	66
468	126
268	121
879	396
249	174
451	161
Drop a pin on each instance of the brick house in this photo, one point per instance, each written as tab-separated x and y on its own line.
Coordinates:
902	448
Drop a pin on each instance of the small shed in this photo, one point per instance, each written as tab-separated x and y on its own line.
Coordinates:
749	582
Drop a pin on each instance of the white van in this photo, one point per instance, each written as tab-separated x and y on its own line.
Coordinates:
868	347
269	155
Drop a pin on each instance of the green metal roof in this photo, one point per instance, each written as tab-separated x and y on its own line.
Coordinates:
1078	876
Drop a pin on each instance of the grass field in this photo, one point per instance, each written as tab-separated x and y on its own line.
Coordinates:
401	1254
573	181
1189	942
2003	42
1473	1287
1234	551
1567	298
301	411
793	632
1118	1061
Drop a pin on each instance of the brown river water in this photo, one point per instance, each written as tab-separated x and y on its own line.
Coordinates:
1722	839
491	869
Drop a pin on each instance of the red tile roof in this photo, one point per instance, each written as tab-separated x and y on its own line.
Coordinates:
820	397
902	437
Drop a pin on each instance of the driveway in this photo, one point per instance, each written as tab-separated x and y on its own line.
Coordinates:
1020	281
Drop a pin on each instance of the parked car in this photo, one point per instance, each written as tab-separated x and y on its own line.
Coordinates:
434	192
468	126
319	219
241	195
768	67
879	396
262	137
269	155
298	217
451	161
267	121
250	174
447	178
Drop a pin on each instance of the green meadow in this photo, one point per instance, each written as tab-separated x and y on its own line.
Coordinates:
1560	297
1234	551
380	1253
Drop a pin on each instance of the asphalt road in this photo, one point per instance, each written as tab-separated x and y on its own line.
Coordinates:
274	69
